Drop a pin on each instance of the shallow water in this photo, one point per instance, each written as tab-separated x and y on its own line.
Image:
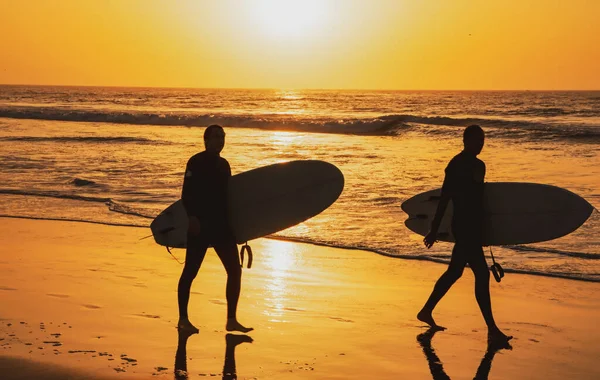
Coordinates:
389	145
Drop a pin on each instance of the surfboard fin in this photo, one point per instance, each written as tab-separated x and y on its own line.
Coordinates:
245	248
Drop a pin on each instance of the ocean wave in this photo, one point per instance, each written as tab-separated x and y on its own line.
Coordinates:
18	163
85	139
386	200
580	255
566	276
385	125
75	220
55	194
79	182
374	126
127	210
110	203
543	111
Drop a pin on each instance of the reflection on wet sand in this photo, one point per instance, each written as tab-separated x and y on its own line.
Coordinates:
229	368
435	364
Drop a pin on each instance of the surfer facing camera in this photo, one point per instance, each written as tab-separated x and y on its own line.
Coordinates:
204	196
463	184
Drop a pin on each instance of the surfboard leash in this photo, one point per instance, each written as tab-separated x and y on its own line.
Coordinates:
496	269
172	255
245	248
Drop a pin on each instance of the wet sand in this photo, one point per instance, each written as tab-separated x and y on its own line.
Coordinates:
94	301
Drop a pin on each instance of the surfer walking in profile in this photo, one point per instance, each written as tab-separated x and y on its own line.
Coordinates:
463	184
204	196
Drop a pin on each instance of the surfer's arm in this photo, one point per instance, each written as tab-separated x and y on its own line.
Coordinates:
227	174
435	223
448	188
191	190
439	212
445	196
189	201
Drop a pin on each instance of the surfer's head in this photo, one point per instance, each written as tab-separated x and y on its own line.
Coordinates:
214	138
473	138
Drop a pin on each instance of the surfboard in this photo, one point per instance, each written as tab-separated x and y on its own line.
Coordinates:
514	213
263	201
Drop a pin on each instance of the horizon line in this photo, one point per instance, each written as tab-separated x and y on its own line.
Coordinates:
297	88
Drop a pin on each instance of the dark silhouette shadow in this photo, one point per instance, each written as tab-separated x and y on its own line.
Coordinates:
181	354
229	369
232	340
435	364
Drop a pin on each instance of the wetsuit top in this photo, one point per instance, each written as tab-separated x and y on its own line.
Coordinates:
204	192
464	182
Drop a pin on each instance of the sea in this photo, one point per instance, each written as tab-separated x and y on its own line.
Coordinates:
117	156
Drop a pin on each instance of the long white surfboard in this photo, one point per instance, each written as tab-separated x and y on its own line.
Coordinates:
515	213
263	201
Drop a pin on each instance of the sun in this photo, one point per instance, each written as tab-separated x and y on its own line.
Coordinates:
290	18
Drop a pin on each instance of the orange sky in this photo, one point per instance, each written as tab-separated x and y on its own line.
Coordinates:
359	44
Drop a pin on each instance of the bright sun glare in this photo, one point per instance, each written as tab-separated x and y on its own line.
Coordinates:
290	18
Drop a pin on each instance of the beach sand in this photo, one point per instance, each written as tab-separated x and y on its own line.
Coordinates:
83	300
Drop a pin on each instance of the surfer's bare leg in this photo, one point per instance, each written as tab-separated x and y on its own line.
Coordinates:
445	282
229	255
482	293
193	260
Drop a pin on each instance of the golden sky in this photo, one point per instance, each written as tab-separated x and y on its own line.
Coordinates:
357	44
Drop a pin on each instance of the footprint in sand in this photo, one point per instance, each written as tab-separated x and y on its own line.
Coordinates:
341	319
537	325
218	302
7	288
100	270
147	316
128	360
57	295
53	342
292	309
92	306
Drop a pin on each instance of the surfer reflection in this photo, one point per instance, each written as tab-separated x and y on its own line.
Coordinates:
229	369
435	364
463	184
204	196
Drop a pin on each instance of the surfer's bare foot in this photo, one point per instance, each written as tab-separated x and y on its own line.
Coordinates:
185	325
234	325
496	336
425	316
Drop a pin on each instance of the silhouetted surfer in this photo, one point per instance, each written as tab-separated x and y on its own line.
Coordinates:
204	197
463	184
